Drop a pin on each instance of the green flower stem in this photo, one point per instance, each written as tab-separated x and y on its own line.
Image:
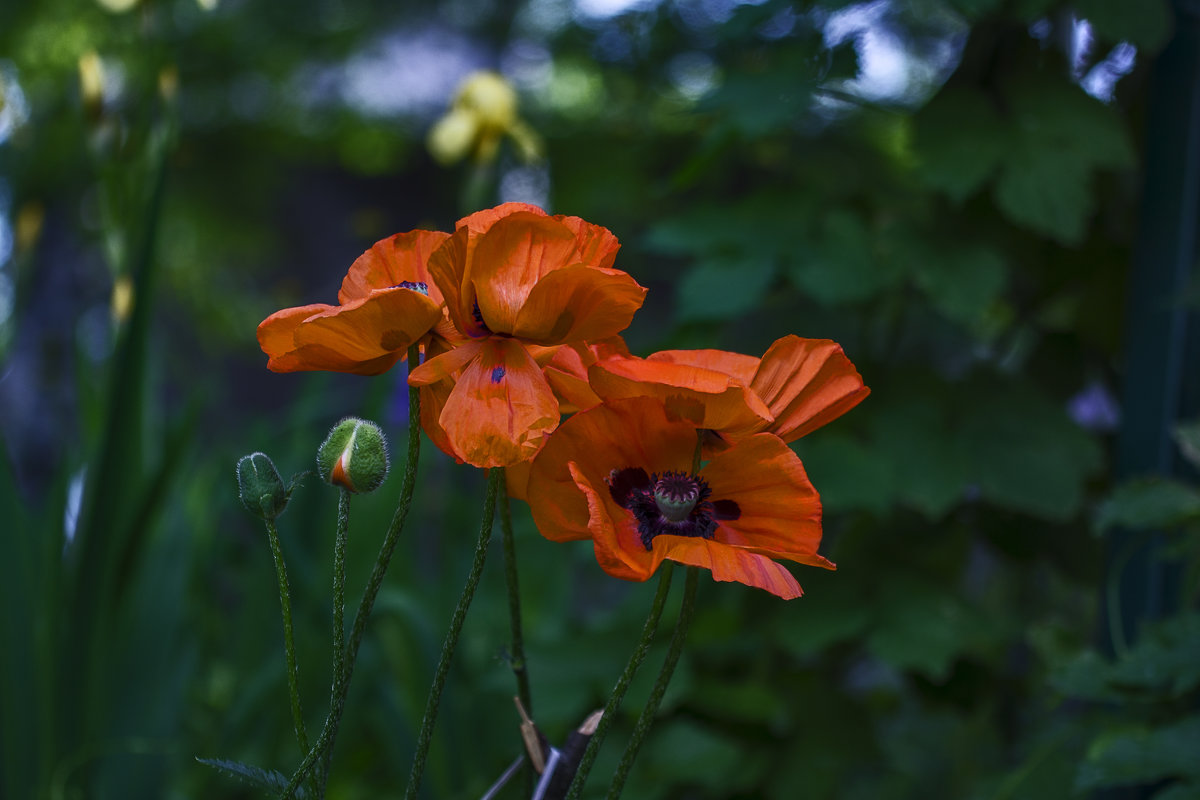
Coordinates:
660	687
289	639
338	671
495	481
517	658
374	583
618	692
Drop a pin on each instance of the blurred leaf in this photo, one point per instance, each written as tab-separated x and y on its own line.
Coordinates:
959	139
1187	436
848	474
1142	755
924	628
928	468
256	776
963	282
1024	451
1060	137
723	290
1164	662
1145	24
839	266
1149	503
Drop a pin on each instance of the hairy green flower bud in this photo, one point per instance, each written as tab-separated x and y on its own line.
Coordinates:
260	488
354	456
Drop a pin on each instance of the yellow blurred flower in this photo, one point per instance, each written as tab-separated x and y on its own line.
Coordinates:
484	112
91	81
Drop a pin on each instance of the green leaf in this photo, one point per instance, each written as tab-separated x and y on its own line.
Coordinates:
839	266
1149	503
1142	755
848	474
1061	136
959	139
719	289
924	627
1146	23
1024	451
963	283
262	778
927	466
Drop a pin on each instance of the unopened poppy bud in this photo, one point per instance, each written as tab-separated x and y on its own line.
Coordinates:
354	456
260	488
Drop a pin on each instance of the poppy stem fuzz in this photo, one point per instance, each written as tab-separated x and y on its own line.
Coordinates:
642	727
289	638
333	721
618	692
517	647
425	737
336	698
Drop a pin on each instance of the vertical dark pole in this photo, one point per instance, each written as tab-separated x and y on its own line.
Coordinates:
1162	338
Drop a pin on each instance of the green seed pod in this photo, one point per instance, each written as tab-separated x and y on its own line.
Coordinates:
260	488
354	456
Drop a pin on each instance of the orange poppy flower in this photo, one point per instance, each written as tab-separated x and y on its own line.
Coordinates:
797	386
386	303
518	283
620	475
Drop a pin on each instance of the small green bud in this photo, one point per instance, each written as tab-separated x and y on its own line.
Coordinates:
260	488
354	456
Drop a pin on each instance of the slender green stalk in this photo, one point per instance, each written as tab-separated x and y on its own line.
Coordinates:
289	638
660	687
374	583
495	480
618	692
517	656
337	679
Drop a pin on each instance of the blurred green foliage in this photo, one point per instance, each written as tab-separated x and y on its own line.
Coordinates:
959	218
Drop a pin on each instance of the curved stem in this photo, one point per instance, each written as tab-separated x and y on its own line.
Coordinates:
289	638
374	583
618	692
517	657
495	479
660	687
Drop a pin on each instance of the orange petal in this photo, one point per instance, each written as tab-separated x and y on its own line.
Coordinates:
277	333
342	338
707	398
596	246
391	261
386	321
445	366
501	407
736	365
616	435
730	564
433	401
780	510
480	221
508	261
807	383
447	267
578	303
613	533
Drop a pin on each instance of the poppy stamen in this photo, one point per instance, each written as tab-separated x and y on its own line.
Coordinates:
417	286
674	503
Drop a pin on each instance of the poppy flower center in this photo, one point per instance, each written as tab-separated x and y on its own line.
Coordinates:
417	286
675	503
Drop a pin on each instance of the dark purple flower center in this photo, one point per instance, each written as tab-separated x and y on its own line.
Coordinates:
477	316
416	286
674	503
